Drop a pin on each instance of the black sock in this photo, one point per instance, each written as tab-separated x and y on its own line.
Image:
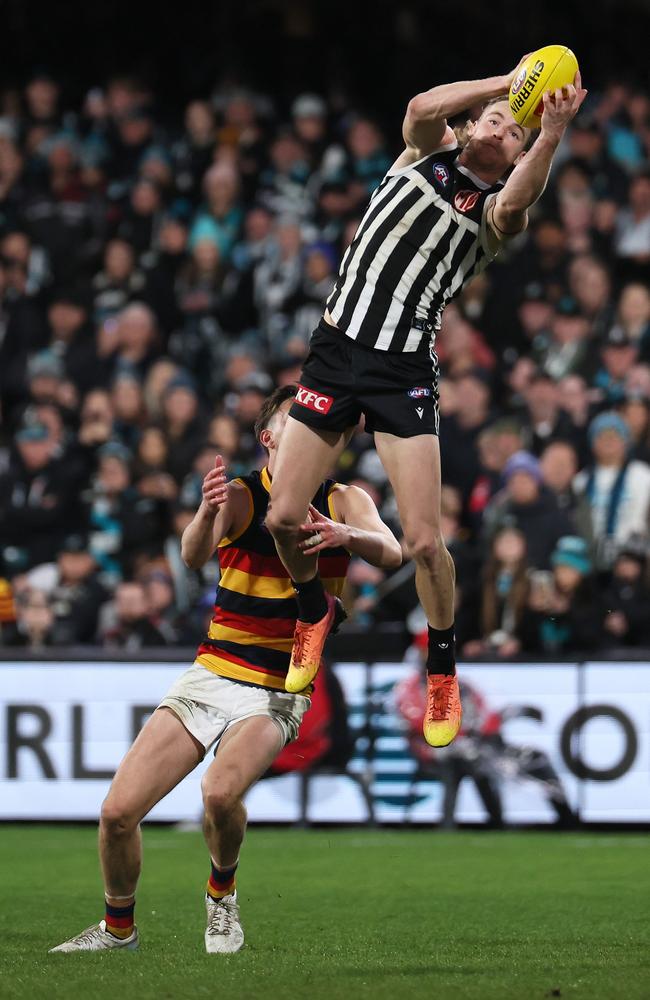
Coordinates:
310	596
442	651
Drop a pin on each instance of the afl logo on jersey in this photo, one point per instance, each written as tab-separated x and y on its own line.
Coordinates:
441	174
464	201
419	392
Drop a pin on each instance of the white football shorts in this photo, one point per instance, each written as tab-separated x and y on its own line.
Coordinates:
208	705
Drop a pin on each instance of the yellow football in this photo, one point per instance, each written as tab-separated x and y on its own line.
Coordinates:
547	69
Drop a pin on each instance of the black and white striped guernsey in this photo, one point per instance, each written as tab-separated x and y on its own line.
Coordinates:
422	237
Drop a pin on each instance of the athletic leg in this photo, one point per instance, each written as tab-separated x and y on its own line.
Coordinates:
305	456
161	756
245	752
413	467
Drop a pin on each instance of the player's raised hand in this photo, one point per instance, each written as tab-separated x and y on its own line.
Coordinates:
561	105
215	487
322	533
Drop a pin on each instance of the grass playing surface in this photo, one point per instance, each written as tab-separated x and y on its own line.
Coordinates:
341	914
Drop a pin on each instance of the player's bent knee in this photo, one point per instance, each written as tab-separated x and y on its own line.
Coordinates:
282	524
219	803
117	819
427	551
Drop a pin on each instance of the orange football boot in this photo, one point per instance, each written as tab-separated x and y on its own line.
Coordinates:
308	642
444	712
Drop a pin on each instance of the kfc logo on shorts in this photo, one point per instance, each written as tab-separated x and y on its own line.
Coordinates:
441	174
419	392
465	200
314	400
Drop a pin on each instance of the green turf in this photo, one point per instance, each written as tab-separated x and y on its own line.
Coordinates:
341	914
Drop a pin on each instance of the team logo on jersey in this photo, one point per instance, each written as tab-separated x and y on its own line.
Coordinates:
315	401
465	200
518	81
419	392
441	174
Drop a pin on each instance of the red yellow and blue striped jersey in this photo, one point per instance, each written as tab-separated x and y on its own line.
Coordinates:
255	610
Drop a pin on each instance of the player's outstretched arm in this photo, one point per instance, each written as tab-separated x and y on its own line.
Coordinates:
425	125
358	528
221	507
527	181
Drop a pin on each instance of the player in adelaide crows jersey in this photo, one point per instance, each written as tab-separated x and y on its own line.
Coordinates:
233	696
438	217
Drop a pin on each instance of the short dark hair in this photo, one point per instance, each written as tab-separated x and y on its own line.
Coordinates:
272	404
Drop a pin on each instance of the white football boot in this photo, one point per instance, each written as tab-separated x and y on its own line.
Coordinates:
97	938
223	934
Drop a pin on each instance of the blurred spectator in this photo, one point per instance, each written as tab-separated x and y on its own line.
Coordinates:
588	147
119	283
221	215
558	465
626	599
619	353
635	410
459	432
161	604
193	152
562	613
130	339
590	284
34	620
129	627
127	403
124	524
527	505
183	423
78	594
544	420
633	227
614	491
71	339
565	349
283	184
38	503
634	316
460	347
505	589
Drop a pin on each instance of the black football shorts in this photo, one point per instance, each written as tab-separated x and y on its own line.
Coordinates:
396	392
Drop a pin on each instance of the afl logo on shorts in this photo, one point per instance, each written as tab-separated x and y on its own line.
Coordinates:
518	81
441	174
419	392
314	400
465	200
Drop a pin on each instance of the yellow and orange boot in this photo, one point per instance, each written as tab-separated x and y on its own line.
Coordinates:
308	642
444	713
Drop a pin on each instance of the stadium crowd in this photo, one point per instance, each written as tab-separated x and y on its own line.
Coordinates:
158	278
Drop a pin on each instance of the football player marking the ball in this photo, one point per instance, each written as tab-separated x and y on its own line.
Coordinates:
233	696
438	218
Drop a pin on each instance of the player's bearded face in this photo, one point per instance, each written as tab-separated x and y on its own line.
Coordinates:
496	140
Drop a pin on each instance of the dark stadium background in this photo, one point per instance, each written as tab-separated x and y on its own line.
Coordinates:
376	51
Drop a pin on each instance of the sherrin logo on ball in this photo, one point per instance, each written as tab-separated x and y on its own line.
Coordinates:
550	68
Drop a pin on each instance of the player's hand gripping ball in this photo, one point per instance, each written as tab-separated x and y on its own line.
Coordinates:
550	68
